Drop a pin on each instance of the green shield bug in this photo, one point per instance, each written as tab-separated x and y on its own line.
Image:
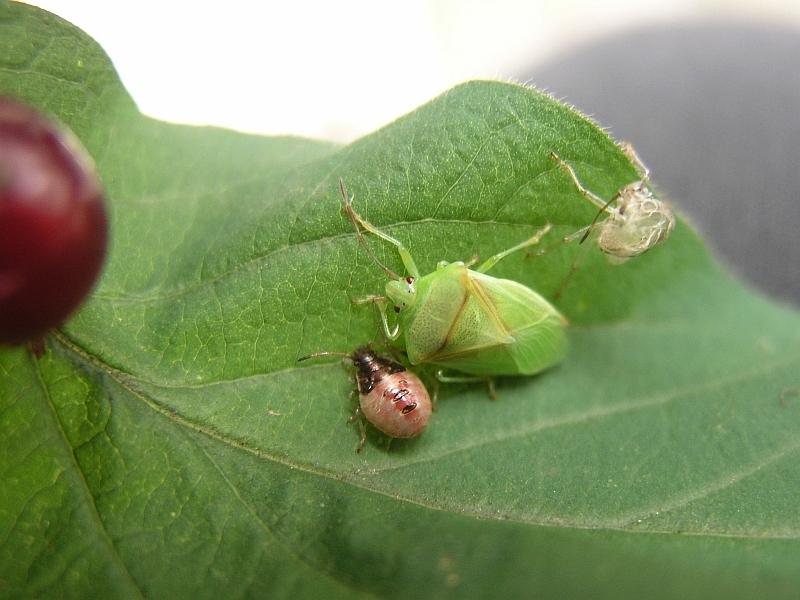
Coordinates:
636	220
392	398
463	319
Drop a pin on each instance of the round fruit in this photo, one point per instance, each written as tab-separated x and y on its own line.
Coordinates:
53	226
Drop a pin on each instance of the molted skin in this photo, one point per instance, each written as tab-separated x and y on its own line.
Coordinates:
393	399
638	222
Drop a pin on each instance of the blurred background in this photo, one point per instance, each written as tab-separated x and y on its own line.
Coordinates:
708	91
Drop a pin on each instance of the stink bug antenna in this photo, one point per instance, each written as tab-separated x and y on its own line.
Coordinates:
317	354
356	220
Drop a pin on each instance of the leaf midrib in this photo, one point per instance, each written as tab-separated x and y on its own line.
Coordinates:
623	524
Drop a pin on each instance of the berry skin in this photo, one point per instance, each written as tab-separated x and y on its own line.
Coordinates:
53	226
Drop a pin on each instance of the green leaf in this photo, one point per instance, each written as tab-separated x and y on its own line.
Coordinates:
169	446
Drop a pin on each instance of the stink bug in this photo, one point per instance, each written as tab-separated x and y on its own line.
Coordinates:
461	318
392	398
636	220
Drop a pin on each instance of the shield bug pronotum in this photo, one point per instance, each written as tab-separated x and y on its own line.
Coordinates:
463	319
392	398
636	220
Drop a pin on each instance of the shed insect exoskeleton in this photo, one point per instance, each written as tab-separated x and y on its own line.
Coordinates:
462	319
392	398
636	220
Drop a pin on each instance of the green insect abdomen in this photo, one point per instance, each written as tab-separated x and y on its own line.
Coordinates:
538	329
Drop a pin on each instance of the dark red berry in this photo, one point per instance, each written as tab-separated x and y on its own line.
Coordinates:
53	226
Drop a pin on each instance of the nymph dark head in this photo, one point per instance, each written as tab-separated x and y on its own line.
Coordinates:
372	368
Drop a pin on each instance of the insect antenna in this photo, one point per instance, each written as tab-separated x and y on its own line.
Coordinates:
355	220
316	354
593	224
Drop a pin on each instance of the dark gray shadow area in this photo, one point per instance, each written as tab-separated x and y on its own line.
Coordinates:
713	109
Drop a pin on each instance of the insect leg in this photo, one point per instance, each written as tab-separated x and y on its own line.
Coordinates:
627	147
370	298
501	255
575	265
392	350
468	379
357	220
590	196
559	243
492	390
357	418
380	302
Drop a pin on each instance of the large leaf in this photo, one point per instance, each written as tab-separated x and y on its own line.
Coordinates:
169	446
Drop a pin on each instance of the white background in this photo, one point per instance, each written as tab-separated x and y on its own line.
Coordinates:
337	70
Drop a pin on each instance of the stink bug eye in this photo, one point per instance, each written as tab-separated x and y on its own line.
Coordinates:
463	319
392	398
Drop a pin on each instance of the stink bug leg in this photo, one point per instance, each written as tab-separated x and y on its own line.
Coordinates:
440	376
379	303
357	418
393	399
466	320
